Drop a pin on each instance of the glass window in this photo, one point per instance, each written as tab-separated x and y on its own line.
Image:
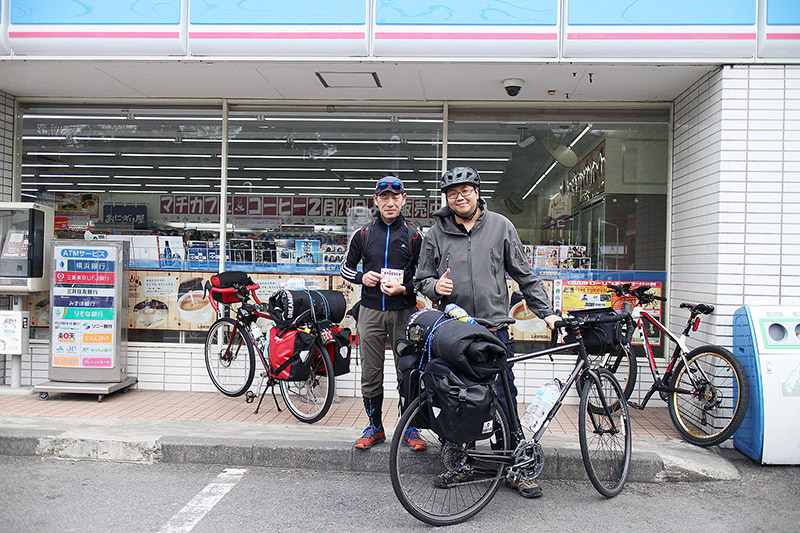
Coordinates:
586	189
298	180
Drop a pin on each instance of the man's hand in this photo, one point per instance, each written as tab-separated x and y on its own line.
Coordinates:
393	287
371	278
444	285
551	320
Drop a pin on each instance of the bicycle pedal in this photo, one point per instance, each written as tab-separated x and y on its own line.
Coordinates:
636	406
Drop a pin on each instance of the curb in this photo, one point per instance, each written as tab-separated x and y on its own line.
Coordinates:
561	464
325	448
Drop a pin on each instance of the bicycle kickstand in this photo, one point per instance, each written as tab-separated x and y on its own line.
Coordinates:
262	393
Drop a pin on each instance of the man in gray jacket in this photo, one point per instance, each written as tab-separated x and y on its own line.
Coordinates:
464	260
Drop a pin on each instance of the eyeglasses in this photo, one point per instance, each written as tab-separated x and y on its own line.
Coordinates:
466	193
396	186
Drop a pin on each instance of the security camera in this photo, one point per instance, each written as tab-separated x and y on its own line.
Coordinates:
513	86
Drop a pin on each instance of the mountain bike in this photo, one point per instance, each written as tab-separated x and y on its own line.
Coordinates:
706	389
480	466
233	343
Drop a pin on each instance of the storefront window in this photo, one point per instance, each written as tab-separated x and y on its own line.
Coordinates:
298	181
587	190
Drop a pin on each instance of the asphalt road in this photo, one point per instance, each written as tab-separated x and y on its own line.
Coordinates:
56	495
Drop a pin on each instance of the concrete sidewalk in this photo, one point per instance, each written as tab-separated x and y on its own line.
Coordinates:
208	428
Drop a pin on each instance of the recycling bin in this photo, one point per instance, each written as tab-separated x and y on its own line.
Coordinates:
767	342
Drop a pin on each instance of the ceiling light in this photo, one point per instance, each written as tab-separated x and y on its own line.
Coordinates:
75	117
75	154
580	136
285	169
44	137
546	172
527	141
112	166
130	154
73	176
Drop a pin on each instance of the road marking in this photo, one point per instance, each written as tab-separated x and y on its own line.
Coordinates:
206	499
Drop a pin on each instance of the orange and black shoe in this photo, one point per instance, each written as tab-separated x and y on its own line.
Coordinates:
371	437
412	439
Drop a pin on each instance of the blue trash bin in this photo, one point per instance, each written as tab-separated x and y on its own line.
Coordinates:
767	342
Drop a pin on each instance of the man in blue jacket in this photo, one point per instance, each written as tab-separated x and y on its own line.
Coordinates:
465	258
388	248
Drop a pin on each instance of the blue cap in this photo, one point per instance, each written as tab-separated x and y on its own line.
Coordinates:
389	183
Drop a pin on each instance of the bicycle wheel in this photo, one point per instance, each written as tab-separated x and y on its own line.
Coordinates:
715	398
310	399
413	472
605	438
230	357
621	363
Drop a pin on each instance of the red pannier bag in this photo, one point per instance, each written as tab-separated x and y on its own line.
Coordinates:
290	354
339	350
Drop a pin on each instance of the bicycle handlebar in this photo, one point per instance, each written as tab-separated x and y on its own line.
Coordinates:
237	289
589	320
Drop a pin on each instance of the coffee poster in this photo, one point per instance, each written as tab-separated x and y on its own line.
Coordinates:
528	327
176	300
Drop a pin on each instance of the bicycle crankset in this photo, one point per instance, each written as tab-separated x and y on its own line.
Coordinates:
528	461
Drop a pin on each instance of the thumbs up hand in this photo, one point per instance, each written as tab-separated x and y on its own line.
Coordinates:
444	285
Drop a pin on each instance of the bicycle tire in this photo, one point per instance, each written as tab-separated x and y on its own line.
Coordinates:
622	363
231	369
413	472
605	438
714	410
310	399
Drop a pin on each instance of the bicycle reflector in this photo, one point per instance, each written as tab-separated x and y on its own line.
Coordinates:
696	323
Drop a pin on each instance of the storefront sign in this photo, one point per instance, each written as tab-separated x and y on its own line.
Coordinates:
587	179
127	216
287	210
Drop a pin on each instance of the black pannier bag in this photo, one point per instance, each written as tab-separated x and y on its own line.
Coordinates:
408	384
226	280
339	351
459	410
598	339
291	353
294	308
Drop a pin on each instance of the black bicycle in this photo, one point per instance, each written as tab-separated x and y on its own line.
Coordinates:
478	467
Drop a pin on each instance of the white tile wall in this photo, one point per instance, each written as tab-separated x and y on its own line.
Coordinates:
735	230
6	144
6	152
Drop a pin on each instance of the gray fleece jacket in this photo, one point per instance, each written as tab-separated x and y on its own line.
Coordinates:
478	263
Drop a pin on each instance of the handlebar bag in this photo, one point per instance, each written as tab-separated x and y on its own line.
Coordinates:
290	354
459	410
289	308
228	280
339	351
598	339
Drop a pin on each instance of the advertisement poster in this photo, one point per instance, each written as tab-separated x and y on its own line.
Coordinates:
583	294
83	307
308	251
175	300
528	327
68	203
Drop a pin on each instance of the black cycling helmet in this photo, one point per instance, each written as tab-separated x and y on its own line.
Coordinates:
459	176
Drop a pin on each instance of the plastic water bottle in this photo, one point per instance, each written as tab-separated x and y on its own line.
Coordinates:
258	336
545	399
459	313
